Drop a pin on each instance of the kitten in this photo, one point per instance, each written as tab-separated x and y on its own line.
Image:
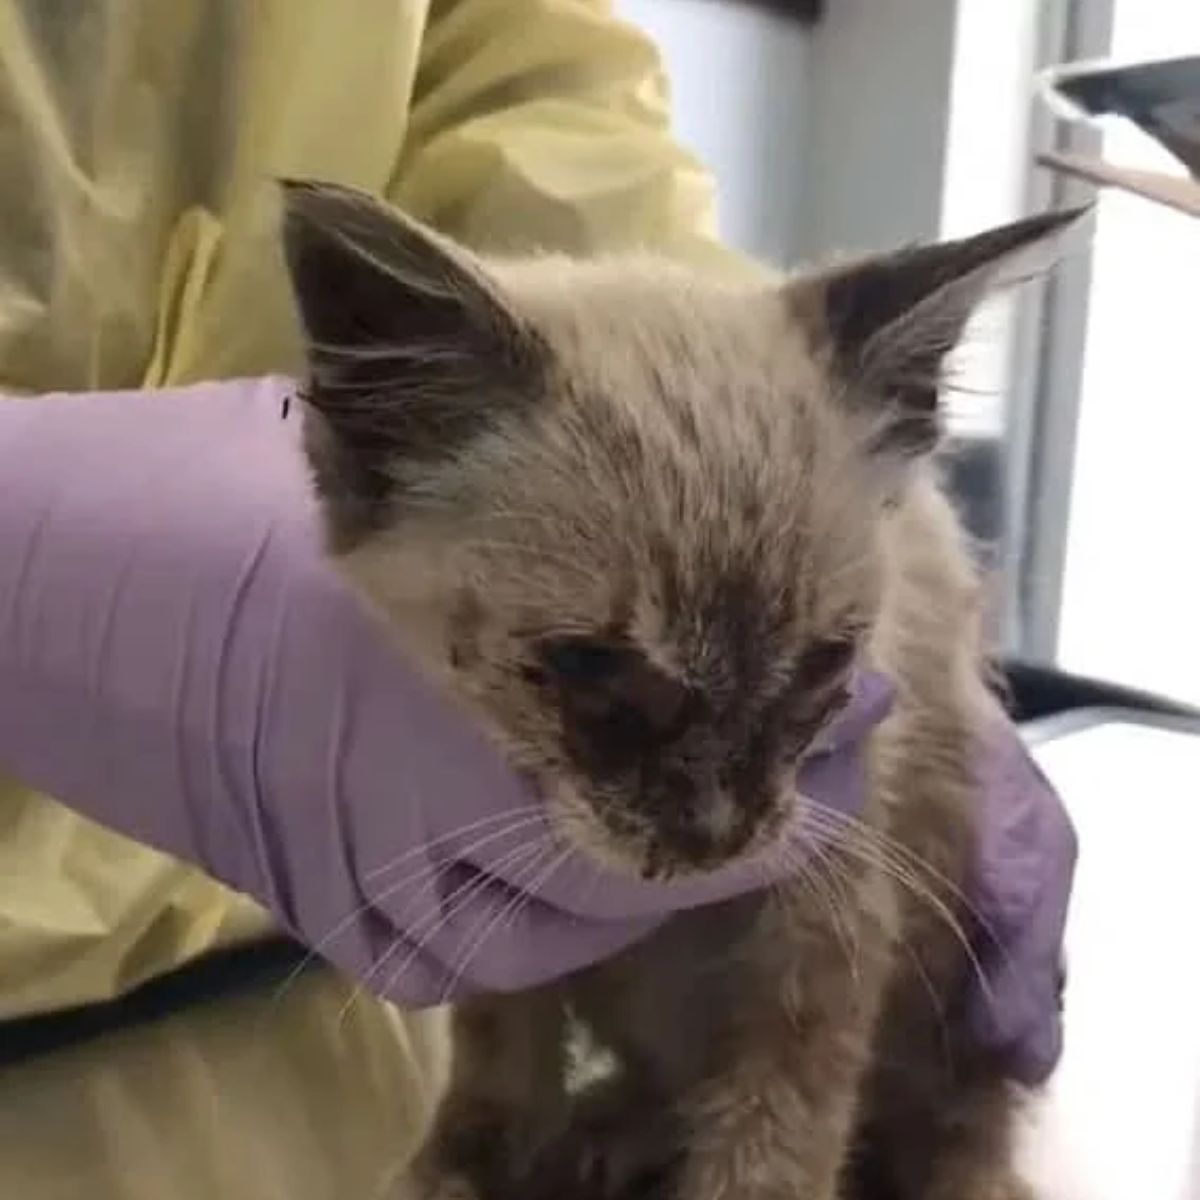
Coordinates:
644	525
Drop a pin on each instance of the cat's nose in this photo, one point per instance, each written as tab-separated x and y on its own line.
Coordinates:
713	813
697	812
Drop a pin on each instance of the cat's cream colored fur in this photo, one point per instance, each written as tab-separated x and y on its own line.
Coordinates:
606	484
649	431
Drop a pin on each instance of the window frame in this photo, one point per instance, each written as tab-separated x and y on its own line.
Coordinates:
1045	381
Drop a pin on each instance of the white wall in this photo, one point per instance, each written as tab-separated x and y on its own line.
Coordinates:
1131	589
879	95
893	120
985	178
834	140
739	78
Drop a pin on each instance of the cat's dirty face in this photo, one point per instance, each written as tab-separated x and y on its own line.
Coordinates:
629	516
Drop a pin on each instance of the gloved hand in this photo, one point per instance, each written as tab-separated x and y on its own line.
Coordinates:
179	662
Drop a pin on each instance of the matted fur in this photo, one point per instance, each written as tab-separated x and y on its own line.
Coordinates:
714	498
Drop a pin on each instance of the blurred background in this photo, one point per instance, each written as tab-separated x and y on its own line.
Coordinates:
857	124
1075	417
831	127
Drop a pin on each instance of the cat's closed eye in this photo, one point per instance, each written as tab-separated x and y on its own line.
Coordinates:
819	691
616	704
582	661
824	661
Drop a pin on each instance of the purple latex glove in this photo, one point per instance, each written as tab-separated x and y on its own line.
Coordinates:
179	662
1022	886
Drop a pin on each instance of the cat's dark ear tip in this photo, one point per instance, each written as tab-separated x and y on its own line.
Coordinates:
1055	229
1077	212
296	191
313	198
295	185
1043	227
1060	219
302	200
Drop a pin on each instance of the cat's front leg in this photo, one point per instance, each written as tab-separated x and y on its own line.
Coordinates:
773	1119
503	1102
621	1144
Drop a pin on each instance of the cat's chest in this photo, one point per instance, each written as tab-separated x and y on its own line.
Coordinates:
660	1003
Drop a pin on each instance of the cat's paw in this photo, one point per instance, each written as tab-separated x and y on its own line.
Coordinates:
432	1177
626	1167
443	1187
992	1185
476	1154
1007	1187
612	1150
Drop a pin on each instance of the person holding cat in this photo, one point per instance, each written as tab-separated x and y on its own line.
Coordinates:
193	672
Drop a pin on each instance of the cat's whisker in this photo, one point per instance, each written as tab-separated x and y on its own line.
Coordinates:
839	904
851	842
905	854
817	887
826	854
807	870
462	897
428	874
936	1003
884	840
470	827
531	893
858	843
487	921
434	871
916	889
514	825
522	896
435	919
799	857
909	870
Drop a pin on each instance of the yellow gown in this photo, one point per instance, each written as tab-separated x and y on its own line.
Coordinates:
138	144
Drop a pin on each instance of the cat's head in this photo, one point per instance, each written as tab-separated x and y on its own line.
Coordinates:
628	514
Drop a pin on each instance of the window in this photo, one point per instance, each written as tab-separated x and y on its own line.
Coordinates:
1129	592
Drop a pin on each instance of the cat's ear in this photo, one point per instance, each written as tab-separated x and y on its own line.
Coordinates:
412	350
888	323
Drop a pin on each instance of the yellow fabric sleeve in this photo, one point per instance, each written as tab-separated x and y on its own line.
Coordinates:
138	144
